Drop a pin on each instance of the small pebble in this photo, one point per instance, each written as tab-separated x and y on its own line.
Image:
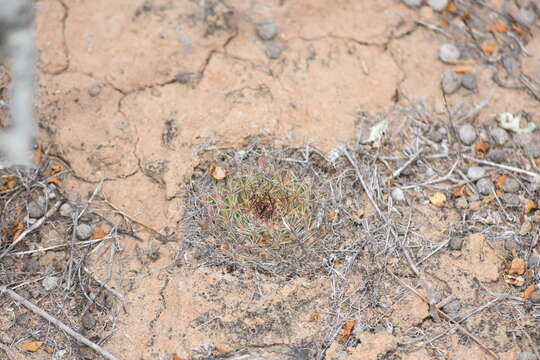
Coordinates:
397	194
469	81
266	29
467	134
184	77
49	283
147	5
511	185
527	355
533	261
5	338
438	5
484	186
435	136
412	3
535	297
510	244
450	82
273	50
449	53
511	200
88	321
36	209
496	155
526	16
456	243
83	231
66	210
532	150
452	307
94	90
462	203
500	136
476	172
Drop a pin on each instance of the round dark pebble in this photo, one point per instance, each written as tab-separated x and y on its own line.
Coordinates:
510	244
511	200
484	186
456	243
496	155
88	321
467	135
94	90
36	209
535	297
533	261
468	81
450	82
273	50
266	29
83	231
511	185
452	307
499	136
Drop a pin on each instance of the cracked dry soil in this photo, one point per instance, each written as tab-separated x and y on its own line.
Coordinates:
133	95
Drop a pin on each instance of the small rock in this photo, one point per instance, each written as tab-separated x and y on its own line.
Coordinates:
484	186
510	244
511	185
535	297
397	194
188	77
6	338
500	136
438	5
467	134
31	265
496	155
273	50
147	5
462	203
469	81
94	90
452	307
527	355
66	210
449	53
266	29
450	82
476	172
435	136
83	231
412	3
533	261
511	200
49	283
526	16
531	150
36	209
456	243
88	321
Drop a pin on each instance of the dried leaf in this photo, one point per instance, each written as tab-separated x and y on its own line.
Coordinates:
463	69
481	146
332	214
314	316
452	8
98	234
17	228
488	199
500	181
10	183
528	291
347	330
517	267
377	133
489	48
176	357
49	349
526	228
217	172
514	280
501	28
529	206
54	180
458	191
438	199
519	30
466	15
31	346
37	156
218	349
55	169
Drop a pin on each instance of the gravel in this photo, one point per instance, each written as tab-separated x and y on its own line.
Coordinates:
398	195
449	53
94	90
412	3
266	29
467	135
456	243
66	210
511	185
485	186
438	5
532	149
526	16
450	82
476	172
535	297
273	50
36	209
83	231
49	283
512	200
88	321
533	261
499	136
496	155
469	81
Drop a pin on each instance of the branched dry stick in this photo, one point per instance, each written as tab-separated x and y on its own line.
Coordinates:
36	225
38	311
449	318
409	162
532	174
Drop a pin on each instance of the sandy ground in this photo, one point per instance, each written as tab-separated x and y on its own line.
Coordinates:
111	105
